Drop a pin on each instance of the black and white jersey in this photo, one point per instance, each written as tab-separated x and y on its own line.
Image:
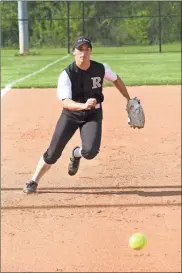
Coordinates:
79	85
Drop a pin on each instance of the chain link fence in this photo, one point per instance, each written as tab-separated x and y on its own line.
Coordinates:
155	25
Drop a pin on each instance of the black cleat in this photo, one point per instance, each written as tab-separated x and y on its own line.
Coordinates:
74	164
30	187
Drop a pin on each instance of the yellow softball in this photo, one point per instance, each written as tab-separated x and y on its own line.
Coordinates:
137	241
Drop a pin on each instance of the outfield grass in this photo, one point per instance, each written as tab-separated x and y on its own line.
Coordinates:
135	65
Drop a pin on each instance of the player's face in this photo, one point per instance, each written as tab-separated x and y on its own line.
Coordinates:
82	53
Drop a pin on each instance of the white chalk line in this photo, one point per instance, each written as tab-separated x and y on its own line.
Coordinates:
10	85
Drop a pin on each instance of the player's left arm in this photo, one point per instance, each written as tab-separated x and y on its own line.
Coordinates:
121	87
136	117
116	80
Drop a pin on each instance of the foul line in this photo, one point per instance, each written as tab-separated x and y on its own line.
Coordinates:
10	85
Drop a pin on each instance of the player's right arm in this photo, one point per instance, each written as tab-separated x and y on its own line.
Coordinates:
76	106
64	93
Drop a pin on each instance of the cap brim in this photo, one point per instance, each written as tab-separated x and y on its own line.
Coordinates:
82	43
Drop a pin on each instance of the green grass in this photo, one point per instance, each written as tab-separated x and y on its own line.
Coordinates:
134	64
167	48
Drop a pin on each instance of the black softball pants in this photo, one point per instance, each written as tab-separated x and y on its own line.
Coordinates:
90	125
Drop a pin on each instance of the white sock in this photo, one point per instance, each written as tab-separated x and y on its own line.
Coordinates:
77	152
41	169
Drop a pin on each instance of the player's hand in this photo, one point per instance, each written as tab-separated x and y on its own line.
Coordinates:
90	103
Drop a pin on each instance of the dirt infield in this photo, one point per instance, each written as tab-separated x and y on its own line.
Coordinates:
83	223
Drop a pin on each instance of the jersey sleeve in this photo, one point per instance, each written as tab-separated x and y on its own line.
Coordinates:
109	74
64	90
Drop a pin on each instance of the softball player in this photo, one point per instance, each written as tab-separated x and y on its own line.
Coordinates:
80	91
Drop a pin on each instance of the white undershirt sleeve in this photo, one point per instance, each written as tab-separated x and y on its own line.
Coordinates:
64	90
109	74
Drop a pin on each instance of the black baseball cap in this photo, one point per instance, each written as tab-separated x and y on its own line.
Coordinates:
82	40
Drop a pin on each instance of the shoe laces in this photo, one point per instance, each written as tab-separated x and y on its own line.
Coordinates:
75	161
32	183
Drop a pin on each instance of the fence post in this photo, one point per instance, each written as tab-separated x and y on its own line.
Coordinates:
160	26
68	26
83	18
23	27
